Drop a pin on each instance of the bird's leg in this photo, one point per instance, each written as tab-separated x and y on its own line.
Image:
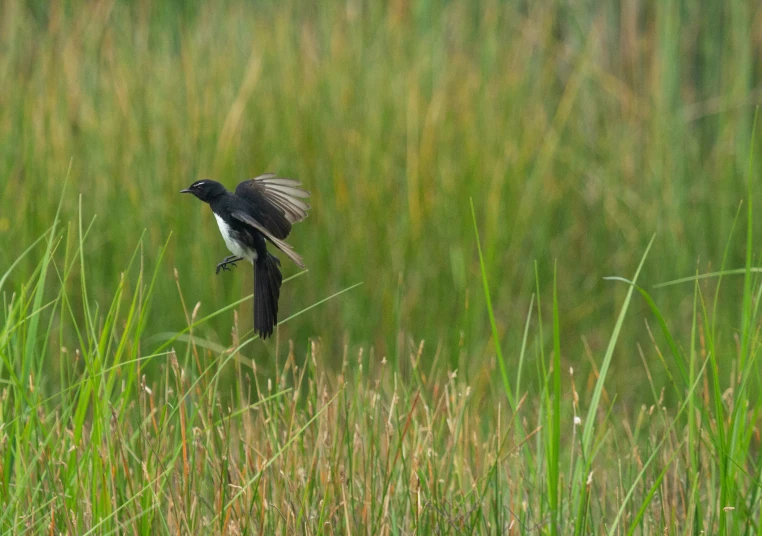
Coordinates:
230	259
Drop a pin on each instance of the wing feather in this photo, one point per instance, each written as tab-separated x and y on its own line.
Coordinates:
278	200
287	249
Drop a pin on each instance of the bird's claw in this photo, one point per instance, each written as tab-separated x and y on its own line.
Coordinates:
224	265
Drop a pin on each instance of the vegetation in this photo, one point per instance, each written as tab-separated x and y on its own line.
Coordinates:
458	358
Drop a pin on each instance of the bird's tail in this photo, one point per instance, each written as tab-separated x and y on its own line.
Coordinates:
268	279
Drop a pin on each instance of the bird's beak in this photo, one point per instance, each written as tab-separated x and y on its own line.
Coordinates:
186	191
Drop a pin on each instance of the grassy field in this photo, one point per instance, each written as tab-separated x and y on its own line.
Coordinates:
466	353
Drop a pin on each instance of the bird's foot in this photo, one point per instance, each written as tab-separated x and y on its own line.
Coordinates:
226	262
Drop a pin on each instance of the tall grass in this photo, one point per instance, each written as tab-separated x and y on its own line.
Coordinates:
109	447
443	367
579	130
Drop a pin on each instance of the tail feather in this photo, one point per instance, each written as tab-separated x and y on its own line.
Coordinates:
267	284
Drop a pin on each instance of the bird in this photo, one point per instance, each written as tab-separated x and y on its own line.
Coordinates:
259	211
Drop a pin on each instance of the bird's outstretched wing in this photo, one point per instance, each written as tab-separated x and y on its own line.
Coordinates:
280	244
277	202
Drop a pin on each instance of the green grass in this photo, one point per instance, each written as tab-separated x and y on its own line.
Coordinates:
532	302
109	447
577	146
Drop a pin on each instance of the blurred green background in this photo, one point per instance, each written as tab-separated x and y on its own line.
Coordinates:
579	129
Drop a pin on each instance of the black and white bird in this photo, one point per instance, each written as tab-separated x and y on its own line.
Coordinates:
260	210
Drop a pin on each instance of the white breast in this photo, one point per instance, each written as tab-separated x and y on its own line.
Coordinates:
234	247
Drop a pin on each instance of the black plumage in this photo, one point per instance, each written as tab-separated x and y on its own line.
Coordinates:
260	210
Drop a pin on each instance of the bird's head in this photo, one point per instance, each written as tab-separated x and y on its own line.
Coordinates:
206	190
